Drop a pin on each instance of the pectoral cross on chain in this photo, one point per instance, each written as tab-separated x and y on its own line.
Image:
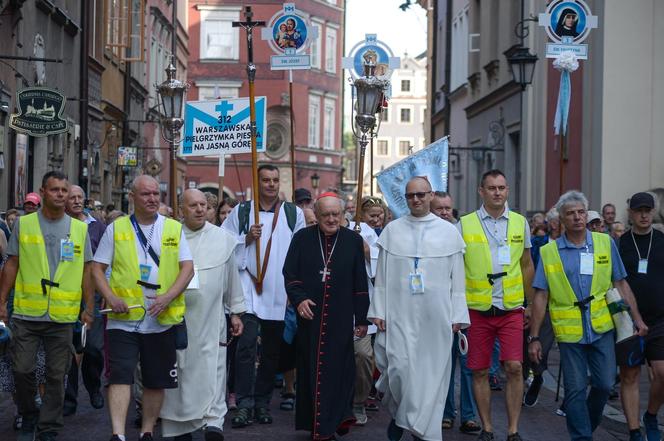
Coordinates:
324	273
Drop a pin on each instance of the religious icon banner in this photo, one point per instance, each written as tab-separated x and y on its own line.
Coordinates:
431	161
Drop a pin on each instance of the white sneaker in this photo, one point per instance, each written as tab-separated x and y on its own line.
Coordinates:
360	415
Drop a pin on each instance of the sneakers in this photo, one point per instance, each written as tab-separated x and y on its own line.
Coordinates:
147	436
485	436
115	438
394	432
494	383
635	435
514	437
531	395
360	414
561	412
652	429
241	419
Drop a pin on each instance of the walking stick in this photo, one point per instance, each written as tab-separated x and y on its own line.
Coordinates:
248	25
560	372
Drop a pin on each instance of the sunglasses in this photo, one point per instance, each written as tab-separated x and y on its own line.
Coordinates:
418	195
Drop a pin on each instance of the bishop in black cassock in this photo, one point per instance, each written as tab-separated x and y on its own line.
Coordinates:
326	281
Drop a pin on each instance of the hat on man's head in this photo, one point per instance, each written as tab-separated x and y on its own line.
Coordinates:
593	216
301	195
642	200
32	198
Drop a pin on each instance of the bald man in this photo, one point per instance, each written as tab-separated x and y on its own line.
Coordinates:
92	363
326	281
151	267
418	302
200	400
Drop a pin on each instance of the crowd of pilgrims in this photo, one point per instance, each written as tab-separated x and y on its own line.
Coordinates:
339	316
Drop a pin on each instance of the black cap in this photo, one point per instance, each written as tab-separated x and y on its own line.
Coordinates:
640	200
301	195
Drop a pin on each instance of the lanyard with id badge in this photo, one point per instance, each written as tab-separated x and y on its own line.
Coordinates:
586	263
66	250
416	278
643	262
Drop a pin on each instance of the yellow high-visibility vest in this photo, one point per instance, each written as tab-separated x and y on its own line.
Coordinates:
125	272
478	263
63	301
565	315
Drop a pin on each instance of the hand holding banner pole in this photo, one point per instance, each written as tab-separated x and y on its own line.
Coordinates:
248	24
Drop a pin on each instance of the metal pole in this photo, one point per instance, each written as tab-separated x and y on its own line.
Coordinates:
360	183
83	104
371	164
292	133
173	166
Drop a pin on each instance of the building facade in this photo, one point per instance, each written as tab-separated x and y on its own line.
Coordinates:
217	63
475	101
39	29
107	71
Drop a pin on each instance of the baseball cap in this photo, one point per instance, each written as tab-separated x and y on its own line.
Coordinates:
302	194
33	198
593	216
642	199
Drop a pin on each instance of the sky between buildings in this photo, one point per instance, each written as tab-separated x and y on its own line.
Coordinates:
402	31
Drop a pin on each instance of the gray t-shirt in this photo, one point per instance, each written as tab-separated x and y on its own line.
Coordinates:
53	231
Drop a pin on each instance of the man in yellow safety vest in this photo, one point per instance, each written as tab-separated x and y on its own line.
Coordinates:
499	272
573	276
151	266
49	270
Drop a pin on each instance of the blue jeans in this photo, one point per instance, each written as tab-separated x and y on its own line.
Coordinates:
466	399
494	370
584	409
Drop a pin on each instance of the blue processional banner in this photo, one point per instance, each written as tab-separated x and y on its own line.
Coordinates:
431	161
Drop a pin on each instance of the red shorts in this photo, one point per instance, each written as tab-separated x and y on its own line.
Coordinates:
482	335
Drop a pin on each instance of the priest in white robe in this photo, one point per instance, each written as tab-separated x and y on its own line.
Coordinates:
419	301
200	399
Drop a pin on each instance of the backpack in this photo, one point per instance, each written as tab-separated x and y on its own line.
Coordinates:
244	212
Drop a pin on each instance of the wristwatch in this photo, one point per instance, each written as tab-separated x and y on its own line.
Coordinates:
532	338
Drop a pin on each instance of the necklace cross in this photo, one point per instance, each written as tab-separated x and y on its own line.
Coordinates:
324	273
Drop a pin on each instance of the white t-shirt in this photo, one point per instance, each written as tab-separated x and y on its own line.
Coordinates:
104	254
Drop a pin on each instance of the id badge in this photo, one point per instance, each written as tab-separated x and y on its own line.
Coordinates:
587	262
145	272
66	250
416	282
194	283
643	266
504	255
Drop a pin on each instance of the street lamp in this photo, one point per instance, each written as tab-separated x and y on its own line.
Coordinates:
172	93
522	65
315	180
369	96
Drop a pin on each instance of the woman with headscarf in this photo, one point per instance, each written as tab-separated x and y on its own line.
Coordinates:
567	22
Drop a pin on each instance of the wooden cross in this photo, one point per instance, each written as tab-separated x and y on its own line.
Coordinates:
324	273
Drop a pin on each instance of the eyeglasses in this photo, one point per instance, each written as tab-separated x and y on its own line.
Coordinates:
418	195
